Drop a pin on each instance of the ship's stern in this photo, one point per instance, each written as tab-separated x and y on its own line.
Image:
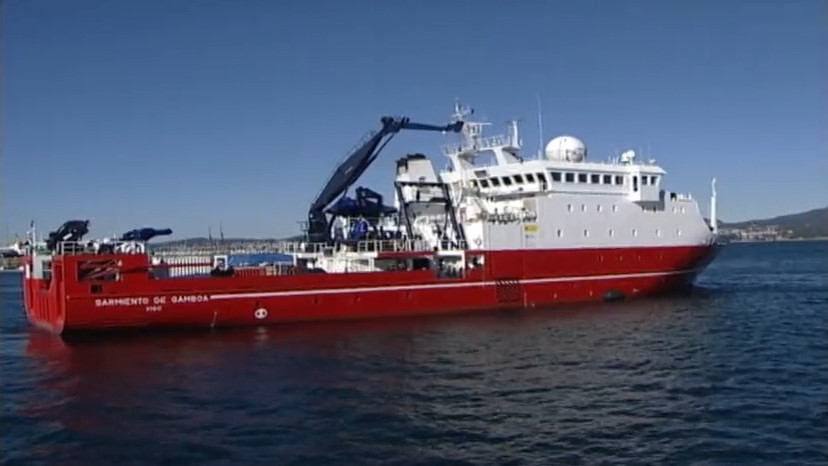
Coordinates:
44	303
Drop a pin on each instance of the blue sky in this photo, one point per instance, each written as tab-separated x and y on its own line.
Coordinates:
187	113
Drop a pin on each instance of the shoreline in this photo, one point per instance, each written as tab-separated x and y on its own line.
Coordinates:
779	240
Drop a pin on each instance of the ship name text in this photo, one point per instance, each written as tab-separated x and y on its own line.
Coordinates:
151	300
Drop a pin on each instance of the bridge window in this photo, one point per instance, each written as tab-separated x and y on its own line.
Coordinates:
495	182
653	180
619	180
507	181
644	180
541	177
582	177
569	177
595	178
484	183
607	179
556	176
518	179
530	178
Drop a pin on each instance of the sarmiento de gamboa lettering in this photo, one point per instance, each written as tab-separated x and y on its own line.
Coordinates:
154	300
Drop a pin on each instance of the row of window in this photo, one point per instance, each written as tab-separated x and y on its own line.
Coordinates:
558	177
509	180
611	233
592	178
600	208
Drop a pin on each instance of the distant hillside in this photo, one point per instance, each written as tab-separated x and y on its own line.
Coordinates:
200	242
810	224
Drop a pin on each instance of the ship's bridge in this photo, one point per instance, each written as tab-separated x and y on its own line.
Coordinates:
562	167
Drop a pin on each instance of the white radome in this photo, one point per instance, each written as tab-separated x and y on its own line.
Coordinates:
567	148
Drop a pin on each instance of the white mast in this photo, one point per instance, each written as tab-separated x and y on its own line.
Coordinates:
514	134
540	128
713	222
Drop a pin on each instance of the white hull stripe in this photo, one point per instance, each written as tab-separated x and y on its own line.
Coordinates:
432	286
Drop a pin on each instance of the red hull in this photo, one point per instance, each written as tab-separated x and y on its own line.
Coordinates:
509	279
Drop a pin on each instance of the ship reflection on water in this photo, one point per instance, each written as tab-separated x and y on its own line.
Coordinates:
277	381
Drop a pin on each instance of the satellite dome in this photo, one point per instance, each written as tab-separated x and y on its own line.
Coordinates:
567	148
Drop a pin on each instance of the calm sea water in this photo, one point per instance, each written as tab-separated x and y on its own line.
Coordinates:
735	373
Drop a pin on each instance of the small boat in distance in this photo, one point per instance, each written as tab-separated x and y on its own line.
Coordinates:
494	230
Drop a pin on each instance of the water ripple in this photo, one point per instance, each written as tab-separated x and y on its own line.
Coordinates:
735	373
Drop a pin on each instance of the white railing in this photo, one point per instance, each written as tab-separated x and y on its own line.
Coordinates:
482	144
398	245
69	248
387	245
182	266
286	247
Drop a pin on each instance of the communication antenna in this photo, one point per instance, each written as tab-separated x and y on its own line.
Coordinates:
540	127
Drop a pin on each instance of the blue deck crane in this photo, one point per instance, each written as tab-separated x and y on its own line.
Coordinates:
349	171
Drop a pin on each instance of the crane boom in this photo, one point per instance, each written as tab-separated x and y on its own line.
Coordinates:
349	171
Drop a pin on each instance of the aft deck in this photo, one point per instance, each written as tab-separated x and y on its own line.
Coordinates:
281	258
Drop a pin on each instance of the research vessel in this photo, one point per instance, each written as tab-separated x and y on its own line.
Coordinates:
494	229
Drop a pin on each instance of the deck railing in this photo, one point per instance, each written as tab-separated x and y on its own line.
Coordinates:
68	248
287	248
303	248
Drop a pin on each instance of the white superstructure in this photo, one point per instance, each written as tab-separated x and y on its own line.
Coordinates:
558	199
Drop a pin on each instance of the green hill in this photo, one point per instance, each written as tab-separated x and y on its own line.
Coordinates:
809	224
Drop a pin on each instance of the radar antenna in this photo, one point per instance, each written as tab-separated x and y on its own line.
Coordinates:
472	131
460	111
